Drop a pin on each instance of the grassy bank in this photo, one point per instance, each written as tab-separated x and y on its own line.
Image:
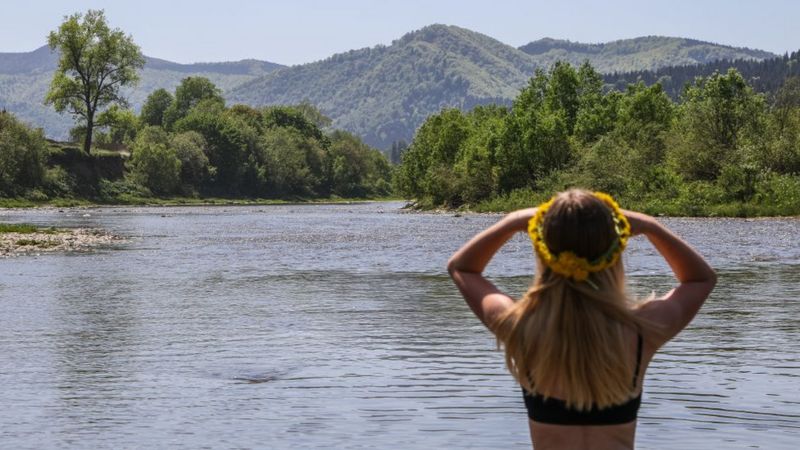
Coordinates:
23	228
690	204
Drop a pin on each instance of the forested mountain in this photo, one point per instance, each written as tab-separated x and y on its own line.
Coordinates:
25	77
384	93
764	76
381	93
643	53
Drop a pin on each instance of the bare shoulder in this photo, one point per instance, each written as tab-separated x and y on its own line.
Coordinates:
672	312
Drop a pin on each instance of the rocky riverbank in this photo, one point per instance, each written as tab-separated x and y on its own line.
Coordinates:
47	240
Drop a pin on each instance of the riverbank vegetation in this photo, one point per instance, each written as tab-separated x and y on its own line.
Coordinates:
189	146
183	145
722	149
719	149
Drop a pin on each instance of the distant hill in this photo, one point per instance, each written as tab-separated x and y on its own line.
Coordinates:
766	75
381	93
643	53
25	77
384	93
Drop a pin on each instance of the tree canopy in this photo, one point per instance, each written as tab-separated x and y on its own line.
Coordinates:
95	62
722	145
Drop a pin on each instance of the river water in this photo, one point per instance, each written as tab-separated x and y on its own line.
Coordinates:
336	326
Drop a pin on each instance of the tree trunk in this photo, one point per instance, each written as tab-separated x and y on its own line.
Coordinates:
87	140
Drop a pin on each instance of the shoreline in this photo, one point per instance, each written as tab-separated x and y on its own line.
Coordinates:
54	240
715	211
7	204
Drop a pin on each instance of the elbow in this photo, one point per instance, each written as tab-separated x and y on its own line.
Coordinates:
712	278
451	267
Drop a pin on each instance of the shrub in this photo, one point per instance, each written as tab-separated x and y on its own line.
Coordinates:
23	153
58	182
154	164
780	192
190	148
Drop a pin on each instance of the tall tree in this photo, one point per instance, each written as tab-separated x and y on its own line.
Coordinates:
155	106
95	62
189	94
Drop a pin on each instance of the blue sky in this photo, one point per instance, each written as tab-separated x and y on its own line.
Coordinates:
299	31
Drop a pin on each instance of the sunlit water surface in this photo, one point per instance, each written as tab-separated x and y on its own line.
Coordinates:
336	326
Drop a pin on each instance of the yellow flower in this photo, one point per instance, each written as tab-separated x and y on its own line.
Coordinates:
568	263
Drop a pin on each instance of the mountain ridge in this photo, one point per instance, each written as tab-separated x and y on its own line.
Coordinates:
470	69
43	58
382	93
25	78
644	52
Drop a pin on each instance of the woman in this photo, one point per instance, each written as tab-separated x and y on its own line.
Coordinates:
575	342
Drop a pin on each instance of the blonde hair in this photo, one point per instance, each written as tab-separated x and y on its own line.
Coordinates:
568	335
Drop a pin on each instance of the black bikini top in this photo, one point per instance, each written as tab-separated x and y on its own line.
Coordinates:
555	411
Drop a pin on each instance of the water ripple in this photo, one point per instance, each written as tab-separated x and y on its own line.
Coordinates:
337	326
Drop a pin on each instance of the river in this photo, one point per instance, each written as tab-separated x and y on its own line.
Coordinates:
336	326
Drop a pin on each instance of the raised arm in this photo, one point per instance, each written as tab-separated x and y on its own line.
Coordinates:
678	307
467	264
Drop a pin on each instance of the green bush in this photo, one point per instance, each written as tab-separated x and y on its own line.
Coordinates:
516	199
154	164
190	148
780	192
58	182
23	154
120	189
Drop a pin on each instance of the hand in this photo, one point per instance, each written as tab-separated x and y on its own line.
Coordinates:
640	223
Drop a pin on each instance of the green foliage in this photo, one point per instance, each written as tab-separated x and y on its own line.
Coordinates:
642	53
313	114
474	166
154	163
516	199
782	153
117	127
285	164
231	143
426	169
384	93
292	117
95	63
189	94
58	183
780	192
536	135
155	106
597	113
719	152
120	191
716	115
445	66
190	148
23	154
764	72
272	152
21	228
357	170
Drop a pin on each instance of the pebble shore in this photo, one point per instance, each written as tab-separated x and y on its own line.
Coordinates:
56	240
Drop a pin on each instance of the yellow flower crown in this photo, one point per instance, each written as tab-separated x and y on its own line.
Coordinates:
568	263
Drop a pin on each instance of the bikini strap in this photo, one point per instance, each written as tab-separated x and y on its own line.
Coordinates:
638	358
